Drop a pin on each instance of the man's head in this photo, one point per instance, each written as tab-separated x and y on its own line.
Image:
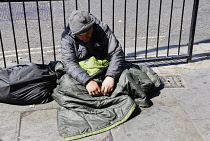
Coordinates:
81	24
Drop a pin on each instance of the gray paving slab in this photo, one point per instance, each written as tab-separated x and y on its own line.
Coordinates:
184	127
203	126
197	49
21	108
195	99
205	47
8	125
105	136
39	126
152	124
165	116
10	118
166	98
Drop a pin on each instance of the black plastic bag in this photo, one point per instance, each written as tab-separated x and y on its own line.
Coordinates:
27	84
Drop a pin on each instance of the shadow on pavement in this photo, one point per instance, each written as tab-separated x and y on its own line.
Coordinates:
135	113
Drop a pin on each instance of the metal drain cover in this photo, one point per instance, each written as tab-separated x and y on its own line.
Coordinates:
18	11
172	81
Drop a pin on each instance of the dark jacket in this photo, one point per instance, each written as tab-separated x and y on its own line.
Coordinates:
103	44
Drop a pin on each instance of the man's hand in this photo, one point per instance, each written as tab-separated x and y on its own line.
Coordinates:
93	88
107	85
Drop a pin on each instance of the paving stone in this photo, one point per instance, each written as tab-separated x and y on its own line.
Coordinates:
152	124
203	127
195	99
197	49
105	136
166	98
156	70
205	47
39	125
21	108
168	69
184	127
8	125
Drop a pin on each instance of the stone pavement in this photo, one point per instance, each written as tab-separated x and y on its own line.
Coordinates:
181	111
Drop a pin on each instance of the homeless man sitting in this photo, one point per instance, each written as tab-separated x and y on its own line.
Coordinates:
88	38
97	90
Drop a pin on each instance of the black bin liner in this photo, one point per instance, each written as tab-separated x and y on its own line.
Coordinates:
27	84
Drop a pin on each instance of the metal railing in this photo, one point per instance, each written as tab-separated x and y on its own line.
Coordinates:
25	25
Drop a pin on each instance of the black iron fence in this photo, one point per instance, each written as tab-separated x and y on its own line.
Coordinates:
149	30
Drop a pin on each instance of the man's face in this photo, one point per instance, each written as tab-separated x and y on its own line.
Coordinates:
85	36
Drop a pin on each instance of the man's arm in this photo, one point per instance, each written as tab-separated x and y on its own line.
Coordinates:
116	56
72	67
70	61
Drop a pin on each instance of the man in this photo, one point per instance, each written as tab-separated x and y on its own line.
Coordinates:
89	44
85	37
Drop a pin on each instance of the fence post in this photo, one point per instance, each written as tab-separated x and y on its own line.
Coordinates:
192	29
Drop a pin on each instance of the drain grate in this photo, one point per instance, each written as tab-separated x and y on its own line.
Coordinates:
18	11
172	81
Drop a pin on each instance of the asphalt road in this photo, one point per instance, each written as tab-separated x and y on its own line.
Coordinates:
202	29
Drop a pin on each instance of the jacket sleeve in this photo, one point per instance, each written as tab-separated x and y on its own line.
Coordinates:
70	60
115	52
116	56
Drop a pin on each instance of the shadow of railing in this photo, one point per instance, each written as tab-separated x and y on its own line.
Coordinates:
202	41
154	50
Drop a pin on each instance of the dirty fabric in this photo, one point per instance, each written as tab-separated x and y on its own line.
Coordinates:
81	115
